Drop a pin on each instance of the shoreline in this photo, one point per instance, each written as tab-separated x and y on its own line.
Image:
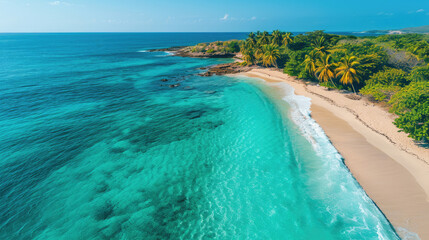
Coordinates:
392	170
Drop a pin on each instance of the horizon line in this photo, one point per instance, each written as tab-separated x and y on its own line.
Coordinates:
302	31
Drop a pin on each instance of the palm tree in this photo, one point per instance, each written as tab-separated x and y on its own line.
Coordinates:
320	45
276	37
310	63
264	38
325	69
271	54
286	39
248	56
251	39
258	53
251	35
348	70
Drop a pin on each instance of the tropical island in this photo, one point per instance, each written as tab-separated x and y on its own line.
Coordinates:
391	70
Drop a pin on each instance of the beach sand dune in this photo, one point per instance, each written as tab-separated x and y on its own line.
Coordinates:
391	168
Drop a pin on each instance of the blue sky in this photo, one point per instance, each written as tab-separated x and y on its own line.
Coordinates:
209	15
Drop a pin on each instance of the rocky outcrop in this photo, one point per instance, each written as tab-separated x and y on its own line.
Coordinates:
221	69
174	85
227	68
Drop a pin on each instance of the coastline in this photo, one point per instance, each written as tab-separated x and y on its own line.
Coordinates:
392	170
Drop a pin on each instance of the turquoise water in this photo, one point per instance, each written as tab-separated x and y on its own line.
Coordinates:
94	146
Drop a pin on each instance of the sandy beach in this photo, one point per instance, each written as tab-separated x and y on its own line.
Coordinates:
392	169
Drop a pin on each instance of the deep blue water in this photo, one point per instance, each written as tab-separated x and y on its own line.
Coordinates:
94	146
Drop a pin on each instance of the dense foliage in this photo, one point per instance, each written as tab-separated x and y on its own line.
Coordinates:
383	84
232	46
390	68
411	104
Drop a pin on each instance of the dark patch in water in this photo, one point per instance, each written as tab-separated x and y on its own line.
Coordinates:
195	114
212	125
102	187
117	150
169	125
104	212
181	199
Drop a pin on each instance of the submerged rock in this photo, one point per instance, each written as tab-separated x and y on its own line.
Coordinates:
174	85
205	74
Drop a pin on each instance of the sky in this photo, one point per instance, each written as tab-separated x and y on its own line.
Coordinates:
209	15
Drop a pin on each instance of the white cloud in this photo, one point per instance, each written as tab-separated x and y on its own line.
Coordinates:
420	10
253	18
226	17
57	3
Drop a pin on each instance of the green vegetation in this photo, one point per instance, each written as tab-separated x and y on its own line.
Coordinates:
232	46
348	71
411	104
392	69
383	84
271	54
325	69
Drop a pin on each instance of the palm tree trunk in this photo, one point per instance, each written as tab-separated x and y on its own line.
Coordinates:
353	89
333	83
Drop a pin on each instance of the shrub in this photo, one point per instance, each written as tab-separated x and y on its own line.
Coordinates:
402	59
419	74
389	76
292	68
411	104
232	46
380	92
294	64
382	85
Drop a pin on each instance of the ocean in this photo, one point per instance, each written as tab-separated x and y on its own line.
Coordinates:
93	145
